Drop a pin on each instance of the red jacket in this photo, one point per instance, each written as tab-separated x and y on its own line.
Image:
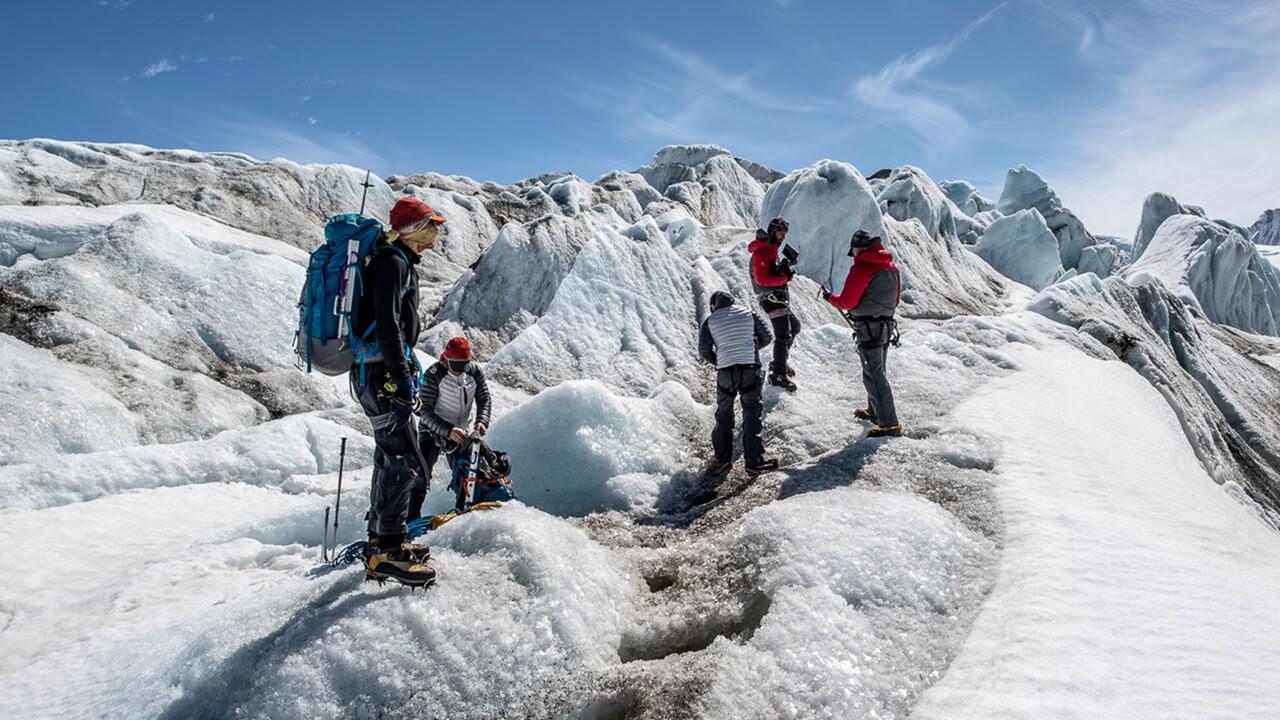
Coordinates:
869	262
764	261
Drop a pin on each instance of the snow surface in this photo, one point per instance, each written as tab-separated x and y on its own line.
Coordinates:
1103	607
1008	557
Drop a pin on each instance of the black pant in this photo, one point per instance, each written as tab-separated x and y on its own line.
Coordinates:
776	303
393	460
873	336
731	382
430	446
785	329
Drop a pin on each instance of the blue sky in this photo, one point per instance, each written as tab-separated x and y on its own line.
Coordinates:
1108	100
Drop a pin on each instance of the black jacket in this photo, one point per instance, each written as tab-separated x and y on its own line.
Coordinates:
390	297
432	404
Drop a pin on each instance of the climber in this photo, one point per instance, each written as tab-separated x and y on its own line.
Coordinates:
770	277
731	338
869	299
386	387
452	388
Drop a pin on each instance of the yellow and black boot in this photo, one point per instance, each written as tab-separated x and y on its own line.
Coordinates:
403	562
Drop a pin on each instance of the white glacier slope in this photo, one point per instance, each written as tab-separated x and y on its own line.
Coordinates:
1129	585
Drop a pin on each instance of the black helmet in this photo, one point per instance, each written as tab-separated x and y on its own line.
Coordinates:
720	299
862	239
778	225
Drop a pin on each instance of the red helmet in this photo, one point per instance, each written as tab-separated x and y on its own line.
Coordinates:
457	349
410	211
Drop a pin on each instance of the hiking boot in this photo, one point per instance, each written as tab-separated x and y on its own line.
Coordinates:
885	431
791	372
864	414
765	465
782	381
716	468
405	564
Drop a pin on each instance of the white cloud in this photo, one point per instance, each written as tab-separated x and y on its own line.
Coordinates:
1191	111
266	140
311	120
673	95
207	17
924	110
115	4
154	69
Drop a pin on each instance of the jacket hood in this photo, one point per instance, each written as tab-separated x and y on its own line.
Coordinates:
874	255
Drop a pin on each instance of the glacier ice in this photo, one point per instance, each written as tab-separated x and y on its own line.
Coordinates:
1216	271
1266	229
1022	248
1025	190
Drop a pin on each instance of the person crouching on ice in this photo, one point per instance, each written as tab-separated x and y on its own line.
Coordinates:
731	338
452	389
386	387
870	297
770	277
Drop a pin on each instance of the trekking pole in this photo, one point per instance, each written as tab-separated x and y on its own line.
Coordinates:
342	457
366	185
324	543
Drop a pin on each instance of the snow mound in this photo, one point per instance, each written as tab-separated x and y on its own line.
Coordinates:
1214	270
634	183
1026	190
966	197
1266	229
266	454
624	315
578	448
1022	248
144	295
515	281
1157	208
910	193
687	154
275	198
1101	260
903	563
539	604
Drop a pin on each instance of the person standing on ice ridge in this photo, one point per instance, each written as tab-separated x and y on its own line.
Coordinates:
730	339
869	298
451	389
770	277
386	387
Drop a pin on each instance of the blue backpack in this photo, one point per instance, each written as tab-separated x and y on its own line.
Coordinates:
331	298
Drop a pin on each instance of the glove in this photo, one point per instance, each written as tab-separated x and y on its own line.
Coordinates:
404	401
824	293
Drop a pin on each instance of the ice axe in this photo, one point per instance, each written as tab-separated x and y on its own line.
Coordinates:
366	184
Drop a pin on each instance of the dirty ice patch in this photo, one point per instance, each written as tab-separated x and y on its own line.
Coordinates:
579	448
526	608
868	591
